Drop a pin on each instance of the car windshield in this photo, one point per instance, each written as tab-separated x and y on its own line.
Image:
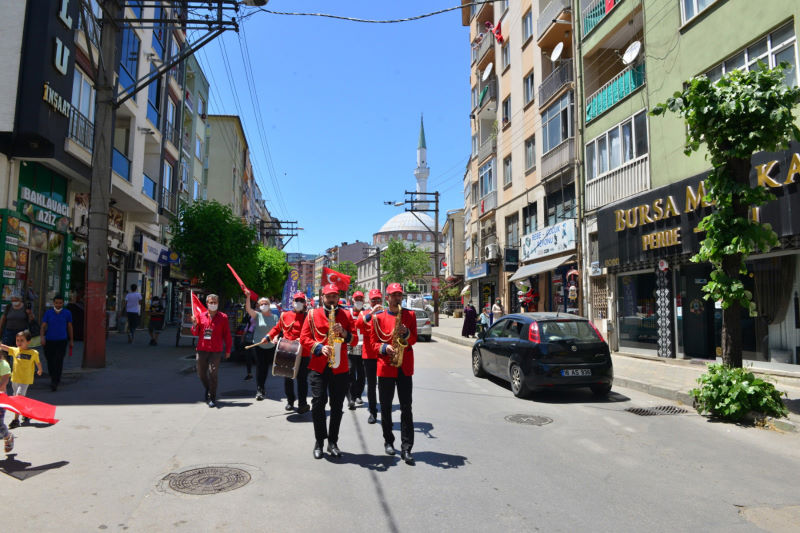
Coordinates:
420	313
567	330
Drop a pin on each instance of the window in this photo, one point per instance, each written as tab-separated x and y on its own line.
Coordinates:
529	224
528	88
507	170
153	99
505	55
474	97
486	178
512	230
201	106
771	50
505	5
196	192
692	8
83	94
622	143
475	145
149	187
530	152
159	32
90	19
167	182
129	59
507	111
527	26
557	123
171	114
136	7
560	205
198	148
474	194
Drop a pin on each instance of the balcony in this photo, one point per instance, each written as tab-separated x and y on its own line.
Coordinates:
555	10
613	92
558	158
622	182
483	48
187	146
487	148
148	187
595	12
81	129
121	165
488	203
555	81
487	95
169	200
187	101
172	134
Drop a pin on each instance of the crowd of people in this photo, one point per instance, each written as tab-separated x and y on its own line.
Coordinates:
475	323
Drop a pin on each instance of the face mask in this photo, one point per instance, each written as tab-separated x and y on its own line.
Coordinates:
57	309
358	305
16	305
299	306
264	308
212	307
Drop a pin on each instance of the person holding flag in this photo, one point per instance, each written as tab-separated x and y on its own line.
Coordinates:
289	326
214	332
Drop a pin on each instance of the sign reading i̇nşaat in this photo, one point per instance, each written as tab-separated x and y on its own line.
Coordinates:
663	222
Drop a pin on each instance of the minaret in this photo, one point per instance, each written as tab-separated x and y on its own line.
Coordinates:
422	171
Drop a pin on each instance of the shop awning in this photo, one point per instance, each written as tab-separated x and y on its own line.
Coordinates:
465	290
539	267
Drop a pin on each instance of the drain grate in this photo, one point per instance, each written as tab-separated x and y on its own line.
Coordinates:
531	420
208	480
657	410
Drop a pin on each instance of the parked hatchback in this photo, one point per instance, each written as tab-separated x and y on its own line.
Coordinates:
544	350
424	326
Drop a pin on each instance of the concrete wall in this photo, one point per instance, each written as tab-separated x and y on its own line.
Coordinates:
11	24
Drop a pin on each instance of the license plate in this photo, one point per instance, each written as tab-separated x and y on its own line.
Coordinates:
576	372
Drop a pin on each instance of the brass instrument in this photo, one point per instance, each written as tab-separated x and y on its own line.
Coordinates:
334	340
398	343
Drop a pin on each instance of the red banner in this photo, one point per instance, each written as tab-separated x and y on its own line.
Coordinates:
337	278
29	408
197	306
253	295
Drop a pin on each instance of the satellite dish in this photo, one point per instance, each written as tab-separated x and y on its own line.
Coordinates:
632	52
487	72
557	52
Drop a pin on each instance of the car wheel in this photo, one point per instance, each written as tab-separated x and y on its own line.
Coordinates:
517	379
477	364
601	390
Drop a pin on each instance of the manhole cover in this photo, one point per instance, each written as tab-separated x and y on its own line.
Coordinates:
657	410
531	420
208	480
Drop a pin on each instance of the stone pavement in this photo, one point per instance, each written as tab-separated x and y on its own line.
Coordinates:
666	378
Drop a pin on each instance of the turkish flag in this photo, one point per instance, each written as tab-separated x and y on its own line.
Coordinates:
253	295
197	306
498	35
331	276
29	408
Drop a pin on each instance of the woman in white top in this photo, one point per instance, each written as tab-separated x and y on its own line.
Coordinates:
265	353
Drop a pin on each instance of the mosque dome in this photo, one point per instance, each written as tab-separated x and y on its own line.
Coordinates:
405	222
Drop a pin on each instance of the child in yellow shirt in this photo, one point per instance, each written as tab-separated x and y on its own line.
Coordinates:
22	374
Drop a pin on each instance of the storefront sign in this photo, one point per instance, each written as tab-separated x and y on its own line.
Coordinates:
67	266
152	249
477	271
56	101
548	241
510	259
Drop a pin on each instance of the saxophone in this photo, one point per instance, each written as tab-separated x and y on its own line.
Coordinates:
398	343
334	340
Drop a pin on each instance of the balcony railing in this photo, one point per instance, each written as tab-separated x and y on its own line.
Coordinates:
121	165
595	12
614	91
81	129
622	182
187	145
187	101
172	134
486	44
558	158
487	93
169	200
488	147
553	9
555	81
488	203
148	187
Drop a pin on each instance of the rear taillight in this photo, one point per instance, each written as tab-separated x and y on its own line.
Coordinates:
597	331
533	333
427	322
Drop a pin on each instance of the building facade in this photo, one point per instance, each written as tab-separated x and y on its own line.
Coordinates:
227	161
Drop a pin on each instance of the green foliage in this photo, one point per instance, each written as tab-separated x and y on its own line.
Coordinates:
208	235
272	271
403	263
450	293
730	393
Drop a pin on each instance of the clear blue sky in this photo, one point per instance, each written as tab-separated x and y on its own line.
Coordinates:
340	105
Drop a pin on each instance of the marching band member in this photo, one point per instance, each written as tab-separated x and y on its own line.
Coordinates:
393	335
355	354
370	356
324	329
289	327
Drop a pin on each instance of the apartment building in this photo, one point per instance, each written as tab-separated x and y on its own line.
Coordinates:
195	134
227	161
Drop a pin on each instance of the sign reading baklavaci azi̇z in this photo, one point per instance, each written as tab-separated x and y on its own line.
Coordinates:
663	222
43	210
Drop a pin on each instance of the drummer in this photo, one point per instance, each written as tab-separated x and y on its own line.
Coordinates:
357	378
265	352
288	327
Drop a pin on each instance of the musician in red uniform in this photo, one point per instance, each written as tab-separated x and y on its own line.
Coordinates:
369	355
355	354
390	376
289	325
326	380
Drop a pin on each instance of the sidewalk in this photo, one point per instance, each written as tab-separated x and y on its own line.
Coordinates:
666	378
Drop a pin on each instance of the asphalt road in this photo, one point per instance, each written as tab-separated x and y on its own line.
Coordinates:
595	467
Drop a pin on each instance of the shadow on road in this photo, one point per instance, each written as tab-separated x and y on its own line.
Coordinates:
566	395
377	463
792	405
21	470
440	460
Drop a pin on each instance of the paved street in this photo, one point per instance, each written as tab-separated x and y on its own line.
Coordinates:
595	467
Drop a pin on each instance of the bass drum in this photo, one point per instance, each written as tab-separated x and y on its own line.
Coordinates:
287	359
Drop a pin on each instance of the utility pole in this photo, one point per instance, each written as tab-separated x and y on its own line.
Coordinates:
412	198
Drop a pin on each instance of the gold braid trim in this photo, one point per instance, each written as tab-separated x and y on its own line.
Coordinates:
385	338
314	331
285	326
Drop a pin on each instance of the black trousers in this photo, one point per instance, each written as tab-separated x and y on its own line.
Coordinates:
302	384
325	385
54	352
356	376
371	372
264	358
404	387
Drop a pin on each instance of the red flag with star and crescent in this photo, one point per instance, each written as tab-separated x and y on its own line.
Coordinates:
197	307
30	408
331	276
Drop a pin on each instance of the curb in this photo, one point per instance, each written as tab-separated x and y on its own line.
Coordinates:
463	341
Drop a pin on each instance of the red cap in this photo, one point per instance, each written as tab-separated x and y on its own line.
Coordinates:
375	293
358	294
330	288
299	296
394	287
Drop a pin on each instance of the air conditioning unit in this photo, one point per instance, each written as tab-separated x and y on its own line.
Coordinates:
492	252
135	260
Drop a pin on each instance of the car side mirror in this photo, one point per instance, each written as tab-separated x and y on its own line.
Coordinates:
482	334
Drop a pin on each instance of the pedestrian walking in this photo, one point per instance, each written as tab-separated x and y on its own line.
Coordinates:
16	317
249	324
214	339
56	334
470	321
156	322
26	361
133	310
5	375
497	309
484	320
264	353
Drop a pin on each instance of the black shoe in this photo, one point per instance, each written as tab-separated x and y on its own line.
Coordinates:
206	397
371	419
303	409
14	424
259	395
289	407
333	449
26	421
248	377
389	448
407	457
318	451
212	402
359	401
351	406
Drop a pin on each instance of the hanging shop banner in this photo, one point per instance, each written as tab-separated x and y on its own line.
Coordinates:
66	265
43	210
289	288
477	271
548	241
151	250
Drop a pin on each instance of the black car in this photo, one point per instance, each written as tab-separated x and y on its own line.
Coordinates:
544	350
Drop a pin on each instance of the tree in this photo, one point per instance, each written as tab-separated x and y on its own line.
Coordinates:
207	235
272	271
404	263
742	113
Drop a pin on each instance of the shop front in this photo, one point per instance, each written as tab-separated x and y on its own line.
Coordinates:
646	244
482	288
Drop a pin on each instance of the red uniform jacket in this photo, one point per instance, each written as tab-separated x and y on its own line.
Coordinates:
382	328
289	326
315	335
364	324
220	333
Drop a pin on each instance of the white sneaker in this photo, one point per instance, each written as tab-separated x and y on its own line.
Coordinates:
9	441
